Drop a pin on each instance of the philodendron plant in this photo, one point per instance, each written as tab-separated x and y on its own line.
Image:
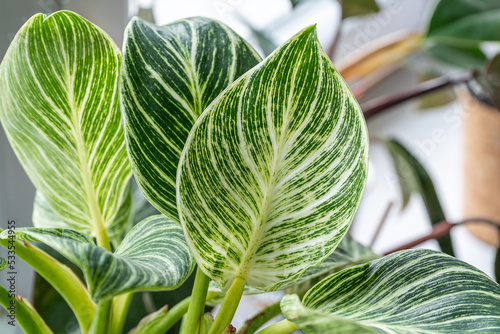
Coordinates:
257	167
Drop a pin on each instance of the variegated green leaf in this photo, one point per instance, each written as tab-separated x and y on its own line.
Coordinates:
133	209
408	292
273	171
153	256
170	74
37	234
45	217
348	254
60	110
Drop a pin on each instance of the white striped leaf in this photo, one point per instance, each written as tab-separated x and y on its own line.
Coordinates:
133	209
170	74
273	171
46	217
409	292
153	256
60	110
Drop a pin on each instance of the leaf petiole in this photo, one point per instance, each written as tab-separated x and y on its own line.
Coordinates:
197	303
102	318
228	307
121	304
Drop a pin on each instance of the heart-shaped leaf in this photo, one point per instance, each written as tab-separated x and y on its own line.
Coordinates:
60	110
273	171
414	291
170	74
153	256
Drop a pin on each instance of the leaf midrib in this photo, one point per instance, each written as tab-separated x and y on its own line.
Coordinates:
271	188
95	212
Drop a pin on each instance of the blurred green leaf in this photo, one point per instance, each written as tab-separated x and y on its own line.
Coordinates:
437	98
462	57
413	178
358	7
465	22
489	80
266	43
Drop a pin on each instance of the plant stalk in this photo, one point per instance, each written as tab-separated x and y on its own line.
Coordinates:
377	105
281	327
102	318
197	303
228	307
158	324
121	304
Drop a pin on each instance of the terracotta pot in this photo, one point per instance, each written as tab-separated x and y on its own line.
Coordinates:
482	168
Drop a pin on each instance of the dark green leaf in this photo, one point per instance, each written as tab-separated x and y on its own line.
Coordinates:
462	57
170	74
414	178
465	22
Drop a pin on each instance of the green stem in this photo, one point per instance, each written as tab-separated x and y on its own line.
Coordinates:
228	307
162	320
102	237
62	279
254	323
121	304
281	327
197	304
102	318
